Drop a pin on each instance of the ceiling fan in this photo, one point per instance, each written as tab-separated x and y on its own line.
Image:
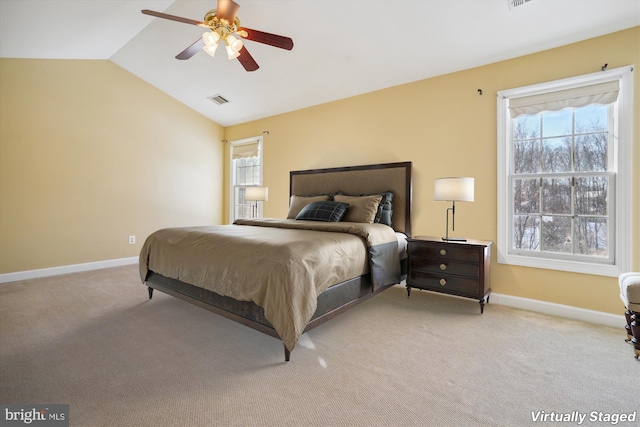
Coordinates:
225	27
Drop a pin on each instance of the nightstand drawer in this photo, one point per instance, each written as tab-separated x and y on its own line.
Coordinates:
451	284
445	252
447	267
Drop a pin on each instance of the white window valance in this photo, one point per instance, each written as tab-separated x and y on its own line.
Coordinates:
600	93
245	150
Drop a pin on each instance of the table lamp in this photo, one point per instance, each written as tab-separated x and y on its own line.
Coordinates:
453	189
256	194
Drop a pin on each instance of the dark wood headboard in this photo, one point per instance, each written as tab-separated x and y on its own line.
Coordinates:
358	180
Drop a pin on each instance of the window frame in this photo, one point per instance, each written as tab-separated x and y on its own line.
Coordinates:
232	177
622	140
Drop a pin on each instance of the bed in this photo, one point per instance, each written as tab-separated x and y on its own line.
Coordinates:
284	277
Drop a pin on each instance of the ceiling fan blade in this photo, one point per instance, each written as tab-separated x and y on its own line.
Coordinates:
174	18
268	38
247	60
227	9
191	50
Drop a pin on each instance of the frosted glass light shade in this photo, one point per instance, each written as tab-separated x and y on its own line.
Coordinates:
234	43
210	42
231	53
211	38
210	49
458	189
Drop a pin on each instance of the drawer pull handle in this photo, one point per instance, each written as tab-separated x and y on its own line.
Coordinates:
443	282
443	251
443	267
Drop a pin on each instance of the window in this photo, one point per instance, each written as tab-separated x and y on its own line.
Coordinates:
246	171
564	174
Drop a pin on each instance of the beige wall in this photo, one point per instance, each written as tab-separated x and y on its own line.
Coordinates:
89	155
446	128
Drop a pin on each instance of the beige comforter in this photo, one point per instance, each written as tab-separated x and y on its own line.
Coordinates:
281	265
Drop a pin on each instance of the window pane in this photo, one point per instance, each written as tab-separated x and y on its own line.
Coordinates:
592	118
591	195
526	137
526	232
526	127
591	236
556	196
556	154
557	123
591	152
243	208
556	234
526	156
241	171
526	196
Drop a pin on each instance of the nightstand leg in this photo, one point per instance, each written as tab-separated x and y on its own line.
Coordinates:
408	291
484	301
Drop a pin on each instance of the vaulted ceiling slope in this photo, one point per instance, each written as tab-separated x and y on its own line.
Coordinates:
342	47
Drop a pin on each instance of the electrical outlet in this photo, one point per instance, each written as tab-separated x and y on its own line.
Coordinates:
132	240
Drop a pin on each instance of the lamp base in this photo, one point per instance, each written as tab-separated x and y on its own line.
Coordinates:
453	239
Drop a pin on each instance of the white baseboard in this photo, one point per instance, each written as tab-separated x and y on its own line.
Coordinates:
570	312
65	269
576	313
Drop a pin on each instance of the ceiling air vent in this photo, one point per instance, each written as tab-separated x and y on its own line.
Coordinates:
218	99
516	3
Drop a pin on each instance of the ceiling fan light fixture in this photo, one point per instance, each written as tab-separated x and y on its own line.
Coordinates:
210	49
231	54
210	42
211	38
234	43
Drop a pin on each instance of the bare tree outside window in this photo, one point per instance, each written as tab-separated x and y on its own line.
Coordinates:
560	182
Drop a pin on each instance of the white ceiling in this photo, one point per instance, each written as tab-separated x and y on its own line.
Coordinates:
342	47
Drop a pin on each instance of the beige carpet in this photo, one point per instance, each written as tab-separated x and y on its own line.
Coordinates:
94	341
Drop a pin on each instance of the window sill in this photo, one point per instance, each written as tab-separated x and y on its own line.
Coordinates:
561	265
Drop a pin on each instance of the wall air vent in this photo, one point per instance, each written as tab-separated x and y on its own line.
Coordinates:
516	3
218	99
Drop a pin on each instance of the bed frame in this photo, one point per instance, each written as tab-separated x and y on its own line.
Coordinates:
353	180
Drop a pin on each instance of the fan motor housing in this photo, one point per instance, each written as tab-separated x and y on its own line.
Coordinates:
212	16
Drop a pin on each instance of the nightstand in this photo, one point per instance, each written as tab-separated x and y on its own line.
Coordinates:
450	267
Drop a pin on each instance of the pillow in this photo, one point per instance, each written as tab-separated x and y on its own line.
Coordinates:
296	204
361	208
323	211
385	210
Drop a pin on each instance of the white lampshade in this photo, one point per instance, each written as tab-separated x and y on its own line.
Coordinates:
210	49
211	38
234	43
260	194
231	53
458	189
210	42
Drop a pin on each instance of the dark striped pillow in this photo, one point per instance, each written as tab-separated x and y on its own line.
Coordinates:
323	211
